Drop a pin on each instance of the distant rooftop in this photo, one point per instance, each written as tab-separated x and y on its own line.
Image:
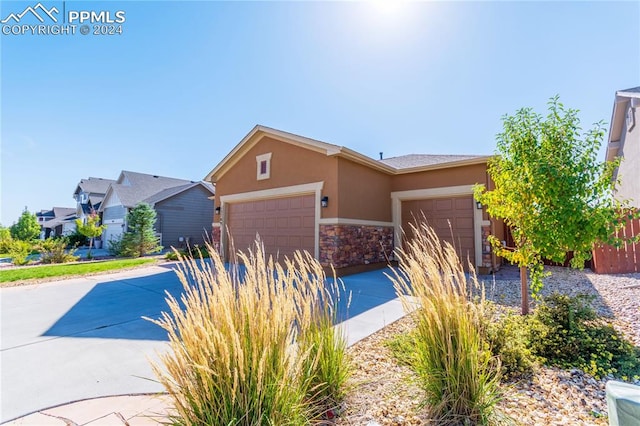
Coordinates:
94	185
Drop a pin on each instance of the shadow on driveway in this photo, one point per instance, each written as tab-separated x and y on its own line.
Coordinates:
114	309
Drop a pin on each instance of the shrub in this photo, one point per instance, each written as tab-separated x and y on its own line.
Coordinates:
77	240
5	239
577	337
114	247
452	360
53	250
196	252
509	337
251	347
19	251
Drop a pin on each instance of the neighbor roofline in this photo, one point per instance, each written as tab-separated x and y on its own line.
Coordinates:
619	107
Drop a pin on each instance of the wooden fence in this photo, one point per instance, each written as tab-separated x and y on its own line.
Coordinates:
623	260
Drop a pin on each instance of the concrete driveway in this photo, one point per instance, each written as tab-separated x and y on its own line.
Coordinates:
83	338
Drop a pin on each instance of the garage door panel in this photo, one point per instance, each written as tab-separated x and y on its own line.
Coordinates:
439	213
284	224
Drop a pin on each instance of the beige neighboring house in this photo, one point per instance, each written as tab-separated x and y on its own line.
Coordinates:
345	208
624	141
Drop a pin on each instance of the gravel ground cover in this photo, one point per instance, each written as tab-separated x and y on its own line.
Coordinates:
384	393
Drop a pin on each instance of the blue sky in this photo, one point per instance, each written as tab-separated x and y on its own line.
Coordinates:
185	81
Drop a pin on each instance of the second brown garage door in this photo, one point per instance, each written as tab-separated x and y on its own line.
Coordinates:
284	224
439	212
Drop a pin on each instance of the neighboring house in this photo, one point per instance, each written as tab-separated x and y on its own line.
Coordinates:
624	142
184	208
59	221
89	195
343	207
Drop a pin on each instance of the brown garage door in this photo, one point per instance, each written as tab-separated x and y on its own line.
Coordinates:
439	212
284	224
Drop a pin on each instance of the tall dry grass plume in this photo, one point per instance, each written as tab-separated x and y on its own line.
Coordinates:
453	363
250	345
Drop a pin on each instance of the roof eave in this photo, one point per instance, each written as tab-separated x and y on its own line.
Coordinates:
447	165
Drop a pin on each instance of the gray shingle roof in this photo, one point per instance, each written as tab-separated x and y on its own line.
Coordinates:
136	188
422	160
632	90
94	185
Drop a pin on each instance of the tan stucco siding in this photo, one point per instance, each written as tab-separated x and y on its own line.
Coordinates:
290	165
363	193
629	172
464	175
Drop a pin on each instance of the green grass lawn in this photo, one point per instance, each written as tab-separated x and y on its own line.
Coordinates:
66	270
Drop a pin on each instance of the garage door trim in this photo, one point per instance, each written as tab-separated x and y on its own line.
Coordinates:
282	192
397	197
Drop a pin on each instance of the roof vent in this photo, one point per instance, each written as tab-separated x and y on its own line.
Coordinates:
156	176
381	155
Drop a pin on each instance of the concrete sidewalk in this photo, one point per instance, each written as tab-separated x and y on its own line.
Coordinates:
86	329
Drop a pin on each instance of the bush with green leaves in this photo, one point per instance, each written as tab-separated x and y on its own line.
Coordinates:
509	336
192	251
5	239
19	251
573	335
27	228
54	250
77	240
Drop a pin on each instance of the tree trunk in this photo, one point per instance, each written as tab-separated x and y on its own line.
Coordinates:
524	290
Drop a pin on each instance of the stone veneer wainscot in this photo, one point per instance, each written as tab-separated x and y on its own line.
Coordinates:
349	245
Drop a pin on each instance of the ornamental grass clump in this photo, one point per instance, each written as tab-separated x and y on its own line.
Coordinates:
254	345
453	363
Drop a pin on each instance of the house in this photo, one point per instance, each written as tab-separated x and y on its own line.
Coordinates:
89	194
184	209
57	222
624	142
345	208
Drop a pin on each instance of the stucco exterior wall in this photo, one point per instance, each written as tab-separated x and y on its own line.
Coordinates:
290	165
464	175
363	193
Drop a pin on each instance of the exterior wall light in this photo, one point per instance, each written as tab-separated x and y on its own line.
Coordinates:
324	201
217	210
478	205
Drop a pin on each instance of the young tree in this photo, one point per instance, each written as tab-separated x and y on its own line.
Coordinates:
91	229
27	228
551	191
141	238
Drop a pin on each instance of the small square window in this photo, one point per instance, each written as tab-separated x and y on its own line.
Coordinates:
264	166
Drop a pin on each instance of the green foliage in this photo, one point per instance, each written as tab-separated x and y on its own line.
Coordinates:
114	247
54	250
5	239
551	190
510	338
90	229
27	228
77	239
576	337
196	252
19	251
141	238
454	365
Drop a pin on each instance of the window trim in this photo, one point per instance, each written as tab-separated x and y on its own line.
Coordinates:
260	160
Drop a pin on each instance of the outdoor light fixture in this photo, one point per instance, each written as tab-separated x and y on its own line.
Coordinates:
217	210
478	205
324	201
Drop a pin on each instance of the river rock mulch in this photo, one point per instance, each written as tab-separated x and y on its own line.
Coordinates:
385	393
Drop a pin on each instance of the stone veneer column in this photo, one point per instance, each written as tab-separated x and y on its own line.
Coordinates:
351	245
487	255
